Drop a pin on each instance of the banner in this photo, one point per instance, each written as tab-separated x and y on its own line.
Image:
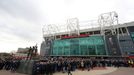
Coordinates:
112	45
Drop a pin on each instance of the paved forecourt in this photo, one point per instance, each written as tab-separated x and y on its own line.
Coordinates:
96	71
122	71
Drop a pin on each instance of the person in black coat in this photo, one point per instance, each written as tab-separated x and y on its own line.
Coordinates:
1	64
69	69
51	68
36	68
47	68
42	68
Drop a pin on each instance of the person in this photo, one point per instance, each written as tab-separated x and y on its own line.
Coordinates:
47	68
42	68
69	69
63	66
51	67
36	68
17	64
59	66
88	65
13	64
1	64
82	65
132	63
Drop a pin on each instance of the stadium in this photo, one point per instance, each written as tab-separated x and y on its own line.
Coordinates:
103	37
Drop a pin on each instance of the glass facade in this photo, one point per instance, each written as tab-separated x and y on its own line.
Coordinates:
92	45
131	31
126	45
132	35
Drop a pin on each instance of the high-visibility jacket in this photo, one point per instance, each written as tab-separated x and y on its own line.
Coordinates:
132	62
129	61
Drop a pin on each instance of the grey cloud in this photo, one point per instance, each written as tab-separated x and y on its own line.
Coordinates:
25	10
21	9
23	33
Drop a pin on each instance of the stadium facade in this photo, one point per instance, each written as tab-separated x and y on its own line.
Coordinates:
106	37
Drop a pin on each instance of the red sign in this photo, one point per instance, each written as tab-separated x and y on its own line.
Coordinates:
81	35
131	56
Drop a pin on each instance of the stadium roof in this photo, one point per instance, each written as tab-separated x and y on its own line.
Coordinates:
89	28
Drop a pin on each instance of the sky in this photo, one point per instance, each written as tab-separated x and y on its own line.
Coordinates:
21	21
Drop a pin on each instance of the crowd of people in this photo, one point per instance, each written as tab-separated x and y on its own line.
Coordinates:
50	65
9	64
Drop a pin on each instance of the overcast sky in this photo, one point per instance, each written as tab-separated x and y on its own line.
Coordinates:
21	21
